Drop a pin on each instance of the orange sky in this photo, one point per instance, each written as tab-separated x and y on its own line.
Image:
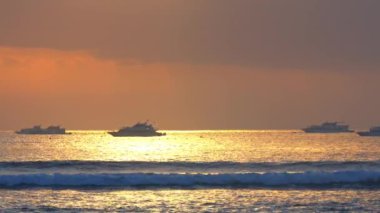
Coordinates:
80	90
189	64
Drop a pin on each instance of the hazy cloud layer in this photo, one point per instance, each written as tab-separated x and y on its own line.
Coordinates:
315	34
78	90
194	64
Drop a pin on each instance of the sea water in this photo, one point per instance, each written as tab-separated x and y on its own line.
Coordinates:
190	171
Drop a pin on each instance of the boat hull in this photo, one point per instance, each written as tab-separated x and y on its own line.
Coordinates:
136	134
41	133
326	131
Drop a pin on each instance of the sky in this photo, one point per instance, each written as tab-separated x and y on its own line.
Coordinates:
215	64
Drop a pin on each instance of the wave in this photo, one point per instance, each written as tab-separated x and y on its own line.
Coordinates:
184	164
284	179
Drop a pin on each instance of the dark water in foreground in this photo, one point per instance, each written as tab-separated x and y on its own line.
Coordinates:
190	171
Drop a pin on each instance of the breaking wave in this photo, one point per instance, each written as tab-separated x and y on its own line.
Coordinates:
272	179
120	165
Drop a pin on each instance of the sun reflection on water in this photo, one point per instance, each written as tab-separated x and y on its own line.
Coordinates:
209	200
239	146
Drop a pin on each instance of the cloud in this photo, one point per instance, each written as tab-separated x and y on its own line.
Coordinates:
336	35
189	64
80	90
47	85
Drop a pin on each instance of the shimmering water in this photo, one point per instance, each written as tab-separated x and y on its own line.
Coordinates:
190	171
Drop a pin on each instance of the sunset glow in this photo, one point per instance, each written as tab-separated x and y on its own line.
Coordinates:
202	67
191	92
189	106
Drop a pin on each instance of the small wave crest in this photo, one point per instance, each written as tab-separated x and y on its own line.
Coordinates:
284	179
98	165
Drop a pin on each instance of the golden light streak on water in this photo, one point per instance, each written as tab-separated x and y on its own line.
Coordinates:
195	146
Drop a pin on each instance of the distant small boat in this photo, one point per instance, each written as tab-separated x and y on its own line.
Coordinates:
373	131
328	127
51	130
138	130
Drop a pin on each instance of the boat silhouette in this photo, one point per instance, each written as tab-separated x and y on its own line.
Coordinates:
328	127
38	130
143	129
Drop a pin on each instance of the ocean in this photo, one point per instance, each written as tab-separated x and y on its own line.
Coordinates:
190	171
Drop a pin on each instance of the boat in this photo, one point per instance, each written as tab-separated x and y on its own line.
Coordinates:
328	127
373	131
38	130
144	129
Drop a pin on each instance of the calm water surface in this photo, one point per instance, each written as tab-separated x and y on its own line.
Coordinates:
190	171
